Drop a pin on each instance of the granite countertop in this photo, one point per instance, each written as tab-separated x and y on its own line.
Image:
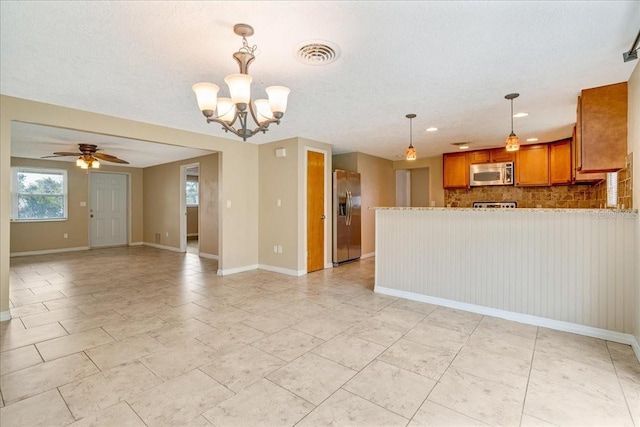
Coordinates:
598	211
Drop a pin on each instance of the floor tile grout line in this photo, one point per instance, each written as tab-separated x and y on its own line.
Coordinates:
624	395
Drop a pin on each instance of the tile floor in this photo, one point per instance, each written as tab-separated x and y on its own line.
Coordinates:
140	336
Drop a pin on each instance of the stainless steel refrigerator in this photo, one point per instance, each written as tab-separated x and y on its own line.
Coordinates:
346	216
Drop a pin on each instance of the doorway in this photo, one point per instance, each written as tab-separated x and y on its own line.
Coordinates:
190	208
316	212
109	209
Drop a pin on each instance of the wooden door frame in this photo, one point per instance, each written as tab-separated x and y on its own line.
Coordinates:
129	200
327	203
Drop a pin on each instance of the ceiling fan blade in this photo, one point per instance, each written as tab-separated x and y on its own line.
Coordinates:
62	154
109	158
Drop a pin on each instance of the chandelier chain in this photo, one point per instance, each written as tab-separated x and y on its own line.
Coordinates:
246	48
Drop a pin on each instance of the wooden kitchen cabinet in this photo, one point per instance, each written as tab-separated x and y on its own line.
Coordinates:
481	156
502	155
601	137
532	165
560	162
455	170
494	155
578	177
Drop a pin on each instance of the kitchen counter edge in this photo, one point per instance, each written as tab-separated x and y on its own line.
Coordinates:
601	211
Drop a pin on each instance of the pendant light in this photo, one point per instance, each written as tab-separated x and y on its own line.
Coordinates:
411	152
513	142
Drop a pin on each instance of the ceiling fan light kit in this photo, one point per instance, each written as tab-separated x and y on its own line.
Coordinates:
88	157
238	107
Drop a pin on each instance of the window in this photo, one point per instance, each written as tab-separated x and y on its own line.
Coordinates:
612	189
39	194
192	191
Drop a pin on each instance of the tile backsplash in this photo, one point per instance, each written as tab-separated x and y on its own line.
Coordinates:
561	196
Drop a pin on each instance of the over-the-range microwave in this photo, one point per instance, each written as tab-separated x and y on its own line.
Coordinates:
491	174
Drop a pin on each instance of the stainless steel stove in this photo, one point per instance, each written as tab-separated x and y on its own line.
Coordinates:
487	205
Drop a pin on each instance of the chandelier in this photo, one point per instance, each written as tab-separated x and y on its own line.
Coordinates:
512	142
411	152
238	107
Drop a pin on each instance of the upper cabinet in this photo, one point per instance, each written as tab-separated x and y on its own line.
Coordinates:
455	169
578	177
532	165
560	162
495	155
601	134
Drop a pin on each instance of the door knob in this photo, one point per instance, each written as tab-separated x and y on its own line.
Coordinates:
322	217
91	215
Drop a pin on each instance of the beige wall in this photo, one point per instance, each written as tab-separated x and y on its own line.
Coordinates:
47	235
284	178
436	192
238	175
420	187
278	225
192	220
162	203
347	162
377	188
634	147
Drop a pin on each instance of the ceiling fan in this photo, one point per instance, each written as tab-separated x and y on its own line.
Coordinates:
88	156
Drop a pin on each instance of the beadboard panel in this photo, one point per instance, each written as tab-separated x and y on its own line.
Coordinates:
573	266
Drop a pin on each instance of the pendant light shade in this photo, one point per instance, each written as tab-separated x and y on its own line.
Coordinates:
512	143
411	152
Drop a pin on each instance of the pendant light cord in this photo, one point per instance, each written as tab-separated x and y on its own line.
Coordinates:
511	115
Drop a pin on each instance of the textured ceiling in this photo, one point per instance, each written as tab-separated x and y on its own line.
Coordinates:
451	63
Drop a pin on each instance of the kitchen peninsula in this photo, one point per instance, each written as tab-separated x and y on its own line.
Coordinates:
568	269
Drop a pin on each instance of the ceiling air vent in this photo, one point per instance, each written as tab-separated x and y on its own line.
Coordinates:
317	52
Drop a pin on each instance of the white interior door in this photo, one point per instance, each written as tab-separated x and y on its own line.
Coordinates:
108	213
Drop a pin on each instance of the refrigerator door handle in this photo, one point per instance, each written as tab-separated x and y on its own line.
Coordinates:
348	219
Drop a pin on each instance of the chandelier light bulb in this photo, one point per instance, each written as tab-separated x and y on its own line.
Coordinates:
239	88
278	98
263	110
226	110
207	95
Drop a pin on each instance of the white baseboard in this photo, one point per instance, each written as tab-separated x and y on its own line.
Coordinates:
192	234
49	251
369	255
287	271
208	256
237	270
5	315
168	248
136	243
559	325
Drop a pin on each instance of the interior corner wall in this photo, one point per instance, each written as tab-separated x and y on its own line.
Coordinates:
377	188
633	146
436	192
278	225
238	175
48	235
161	192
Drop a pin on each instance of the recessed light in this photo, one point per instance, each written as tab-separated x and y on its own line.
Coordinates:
432	129
532	139
399	156
523	114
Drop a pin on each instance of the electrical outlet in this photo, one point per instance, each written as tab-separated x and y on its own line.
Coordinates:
65	235
279	203
166	234
275	249
279	249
